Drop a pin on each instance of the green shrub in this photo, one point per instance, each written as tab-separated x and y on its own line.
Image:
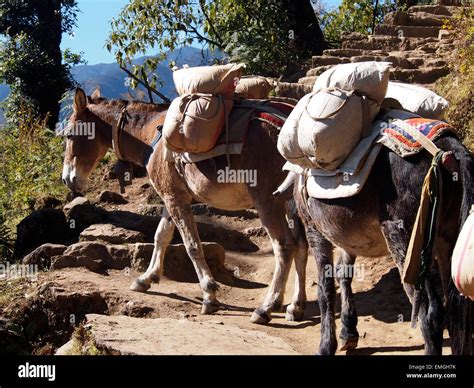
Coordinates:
30	165
354	16
458	86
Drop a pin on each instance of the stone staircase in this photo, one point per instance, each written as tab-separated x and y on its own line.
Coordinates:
413	41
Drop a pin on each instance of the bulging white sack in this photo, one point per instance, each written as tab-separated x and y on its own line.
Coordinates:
220	79
418	99
367	78
193	123
462	263
325	127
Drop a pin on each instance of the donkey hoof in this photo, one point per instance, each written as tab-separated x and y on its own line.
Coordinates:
209	307
139	285
294	313
349	343
260	317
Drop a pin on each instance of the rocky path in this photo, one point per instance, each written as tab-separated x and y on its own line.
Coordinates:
416	43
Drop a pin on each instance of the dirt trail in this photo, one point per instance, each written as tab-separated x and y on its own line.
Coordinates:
383	309
381	304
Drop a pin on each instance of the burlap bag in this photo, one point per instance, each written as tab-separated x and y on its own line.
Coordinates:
417	99
366	78
216	80
325	127
257	88
194	122
462	263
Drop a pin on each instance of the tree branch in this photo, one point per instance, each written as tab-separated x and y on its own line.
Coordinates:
148	87
201	4
193	30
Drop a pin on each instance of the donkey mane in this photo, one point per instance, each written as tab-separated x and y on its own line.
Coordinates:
140	112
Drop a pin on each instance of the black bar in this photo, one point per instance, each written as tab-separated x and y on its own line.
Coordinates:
379	371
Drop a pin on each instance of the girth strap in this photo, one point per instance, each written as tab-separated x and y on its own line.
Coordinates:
117	133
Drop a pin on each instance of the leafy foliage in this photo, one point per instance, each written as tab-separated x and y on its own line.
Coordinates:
263	44
31	61
6	242
354	16
256	33
30	166
458	86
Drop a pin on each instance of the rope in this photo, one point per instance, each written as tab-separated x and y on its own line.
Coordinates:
434	179
430	231
345	97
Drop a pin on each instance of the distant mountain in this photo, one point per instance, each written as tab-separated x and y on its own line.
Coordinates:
111	79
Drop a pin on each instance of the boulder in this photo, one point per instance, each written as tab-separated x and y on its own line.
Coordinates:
122	335
67	261
113	256
111	234
42	255
41	227
112	197
81	214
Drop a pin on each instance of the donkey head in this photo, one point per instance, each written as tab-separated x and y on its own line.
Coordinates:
86	142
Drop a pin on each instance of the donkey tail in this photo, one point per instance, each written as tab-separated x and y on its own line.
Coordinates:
460	310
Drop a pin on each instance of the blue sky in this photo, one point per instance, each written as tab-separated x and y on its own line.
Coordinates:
93	26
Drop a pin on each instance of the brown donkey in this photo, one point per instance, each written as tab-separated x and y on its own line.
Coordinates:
179	186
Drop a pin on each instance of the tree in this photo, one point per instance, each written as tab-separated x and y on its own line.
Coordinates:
267	35
31	61
355	16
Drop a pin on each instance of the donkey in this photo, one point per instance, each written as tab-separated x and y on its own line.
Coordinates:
378	222
178	186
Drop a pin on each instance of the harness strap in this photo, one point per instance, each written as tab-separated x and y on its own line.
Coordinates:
117	133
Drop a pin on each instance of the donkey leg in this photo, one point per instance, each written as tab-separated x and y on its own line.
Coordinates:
323	253
274	220
184	220
295	310
431	313
344	272
163	237
431	317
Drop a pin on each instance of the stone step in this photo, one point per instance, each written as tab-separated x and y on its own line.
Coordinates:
428	48
420	19
346	53
407	31
385	42
326	60
445	48
442	10
419	76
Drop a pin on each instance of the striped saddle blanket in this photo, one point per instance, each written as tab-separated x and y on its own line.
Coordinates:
399	141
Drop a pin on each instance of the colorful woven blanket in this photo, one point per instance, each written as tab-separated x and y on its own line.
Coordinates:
399	141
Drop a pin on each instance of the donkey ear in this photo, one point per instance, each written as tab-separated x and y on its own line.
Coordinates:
96	94
80	100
